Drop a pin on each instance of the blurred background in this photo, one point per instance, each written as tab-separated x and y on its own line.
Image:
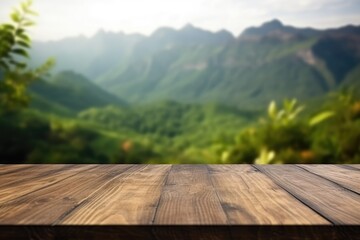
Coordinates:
180	81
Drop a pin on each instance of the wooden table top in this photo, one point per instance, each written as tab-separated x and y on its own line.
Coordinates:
258	200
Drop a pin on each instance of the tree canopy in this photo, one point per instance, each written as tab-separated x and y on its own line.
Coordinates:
15	75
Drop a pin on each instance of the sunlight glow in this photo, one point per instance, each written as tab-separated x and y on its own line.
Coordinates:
59	19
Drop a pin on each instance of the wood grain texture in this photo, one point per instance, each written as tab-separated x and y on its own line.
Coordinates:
28	182
250	197
345	177
353	166
33	173
130	199
6	169
179	202
47	205
328	199
189	198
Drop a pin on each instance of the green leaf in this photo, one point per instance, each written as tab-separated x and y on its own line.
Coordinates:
28	23
7	39
272	110
23	44
4	66
15	16
7	27
24	37
20	52
320	117
5	48
19	31
289	104
31	12
20	65
26	8
265	156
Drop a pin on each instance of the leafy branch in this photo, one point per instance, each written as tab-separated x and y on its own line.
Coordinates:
14	46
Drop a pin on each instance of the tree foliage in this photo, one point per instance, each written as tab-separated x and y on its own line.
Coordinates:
15	76
329	136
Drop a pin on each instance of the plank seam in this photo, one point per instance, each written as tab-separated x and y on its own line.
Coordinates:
86	199
228	224
332	181
160	198
347	167
217	195
296	197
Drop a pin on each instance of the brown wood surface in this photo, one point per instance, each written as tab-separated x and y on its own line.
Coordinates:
352	166
11	190
189	198
129	199
328	199
179	202
250	197
343	176
47	205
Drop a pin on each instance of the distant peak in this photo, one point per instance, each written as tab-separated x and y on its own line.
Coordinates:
188	26
162	31
225	33
275	23
264	29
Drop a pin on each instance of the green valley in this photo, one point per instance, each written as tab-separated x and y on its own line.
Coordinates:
273	94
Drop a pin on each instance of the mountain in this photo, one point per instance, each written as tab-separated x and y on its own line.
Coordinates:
69	91
276	29
89	56
269	62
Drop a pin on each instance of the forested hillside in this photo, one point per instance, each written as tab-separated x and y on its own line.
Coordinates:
72	91
269	62
274	94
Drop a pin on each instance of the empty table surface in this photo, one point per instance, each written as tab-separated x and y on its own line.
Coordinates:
179	201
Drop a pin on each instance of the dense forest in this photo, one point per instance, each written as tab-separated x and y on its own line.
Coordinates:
275	94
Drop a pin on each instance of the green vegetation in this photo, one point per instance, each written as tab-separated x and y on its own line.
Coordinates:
163	132
72	91
191	65
14	45
170	132
329	136
189	100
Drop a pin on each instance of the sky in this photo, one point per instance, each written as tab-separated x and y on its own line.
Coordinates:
64	18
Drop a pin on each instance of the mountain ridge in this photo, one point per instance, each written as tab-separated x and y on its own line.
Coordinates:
269	62
71	91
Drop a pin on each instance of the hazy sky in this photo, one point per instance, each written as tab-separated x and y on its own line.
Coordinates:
62	18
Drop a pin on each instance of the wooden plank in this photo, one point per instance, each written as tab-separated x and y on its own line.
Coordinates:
327	198
47	205
131	199
345	177
15	189
354	166
230	202
250	197
32	173
189	198
10	168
